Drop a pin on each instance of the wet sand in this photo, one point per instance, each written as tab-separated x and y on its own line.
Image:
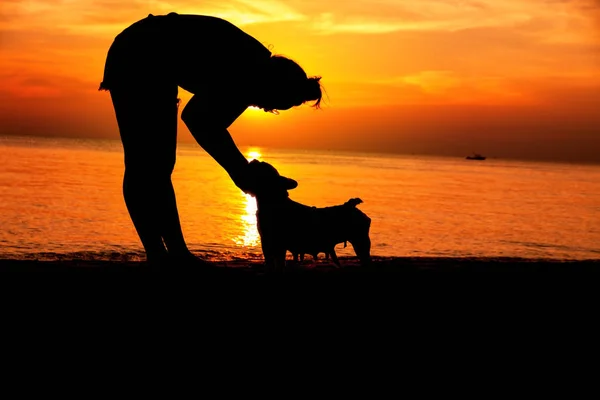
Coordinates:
381	266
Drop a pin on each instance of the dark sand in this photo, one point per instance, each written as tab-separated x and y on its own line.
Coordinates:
392	289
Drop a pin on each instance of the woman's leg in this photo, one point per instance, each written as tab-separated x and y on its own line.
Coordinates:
148	126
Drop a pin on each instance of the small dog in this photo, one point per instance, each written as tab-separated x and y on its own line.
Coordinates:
284	224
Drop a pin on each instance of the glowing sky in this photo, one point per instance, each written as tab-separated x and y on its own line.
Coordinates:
510	78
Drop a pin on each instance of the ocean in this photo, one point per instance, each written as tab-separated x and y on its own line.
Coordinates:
61	198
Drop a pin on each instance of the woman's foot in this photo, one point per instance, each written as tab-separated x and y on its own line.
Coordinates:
184	261
188	261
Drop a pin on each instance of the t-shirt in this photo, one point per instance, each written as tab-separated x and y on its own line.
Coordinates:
192	51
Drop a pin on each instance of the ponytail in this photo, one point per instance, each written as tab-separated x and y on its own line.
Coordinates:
312	91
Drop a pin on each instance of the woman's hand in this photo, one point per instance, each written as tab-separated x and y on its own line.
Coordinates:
260	176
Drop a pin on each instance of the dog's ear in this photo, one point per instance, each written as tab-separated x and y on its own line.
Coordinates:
266	178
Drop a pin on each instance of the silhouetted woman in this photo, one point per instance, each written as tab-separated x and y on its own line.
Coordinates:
227	70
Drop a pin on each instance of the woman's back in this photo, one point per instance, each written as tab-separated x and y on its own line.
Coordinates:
189	49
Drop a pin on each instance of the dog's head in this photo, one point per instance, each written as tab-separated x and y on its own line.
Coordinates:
267	182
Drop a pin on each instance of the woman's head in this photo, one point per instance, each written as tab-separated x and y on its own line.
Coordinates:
287	85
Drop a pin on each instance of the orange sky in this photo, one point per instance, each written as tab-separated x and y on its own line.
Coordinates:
510	78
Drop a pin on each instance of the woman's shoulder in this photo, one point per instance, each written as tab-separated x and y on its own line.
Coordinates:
217	33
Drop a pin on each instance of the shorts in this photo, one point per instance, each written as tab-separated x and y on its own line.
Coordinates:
141	57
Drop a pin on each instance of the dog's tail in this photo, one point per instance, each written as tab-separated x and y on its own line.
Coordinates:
353	202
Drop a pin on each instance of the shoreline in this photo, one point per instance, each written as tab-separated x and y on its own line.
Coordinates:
350	266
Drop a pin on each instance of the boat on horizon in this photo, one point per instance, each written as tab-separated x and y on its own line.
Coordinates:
475	156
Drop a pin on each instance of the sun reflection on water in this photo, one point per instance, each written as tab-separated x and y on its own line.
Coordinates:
249	236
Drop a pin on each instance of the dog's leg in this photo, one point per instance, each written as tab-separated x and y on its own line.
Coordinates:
362	248
267	248
334	257
269	263
279	258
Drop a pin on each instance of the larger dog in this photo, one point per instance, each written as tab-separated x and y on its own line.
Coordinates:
284	224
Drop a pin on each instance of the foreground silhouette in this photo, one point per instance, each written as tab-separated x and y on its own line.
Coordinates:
227	70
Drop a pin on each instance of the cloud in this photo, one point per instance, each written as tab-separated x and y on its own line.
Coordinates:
25	84
104	17
328	24
436	87
561	17
425	15
239	12
244	12
433	81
